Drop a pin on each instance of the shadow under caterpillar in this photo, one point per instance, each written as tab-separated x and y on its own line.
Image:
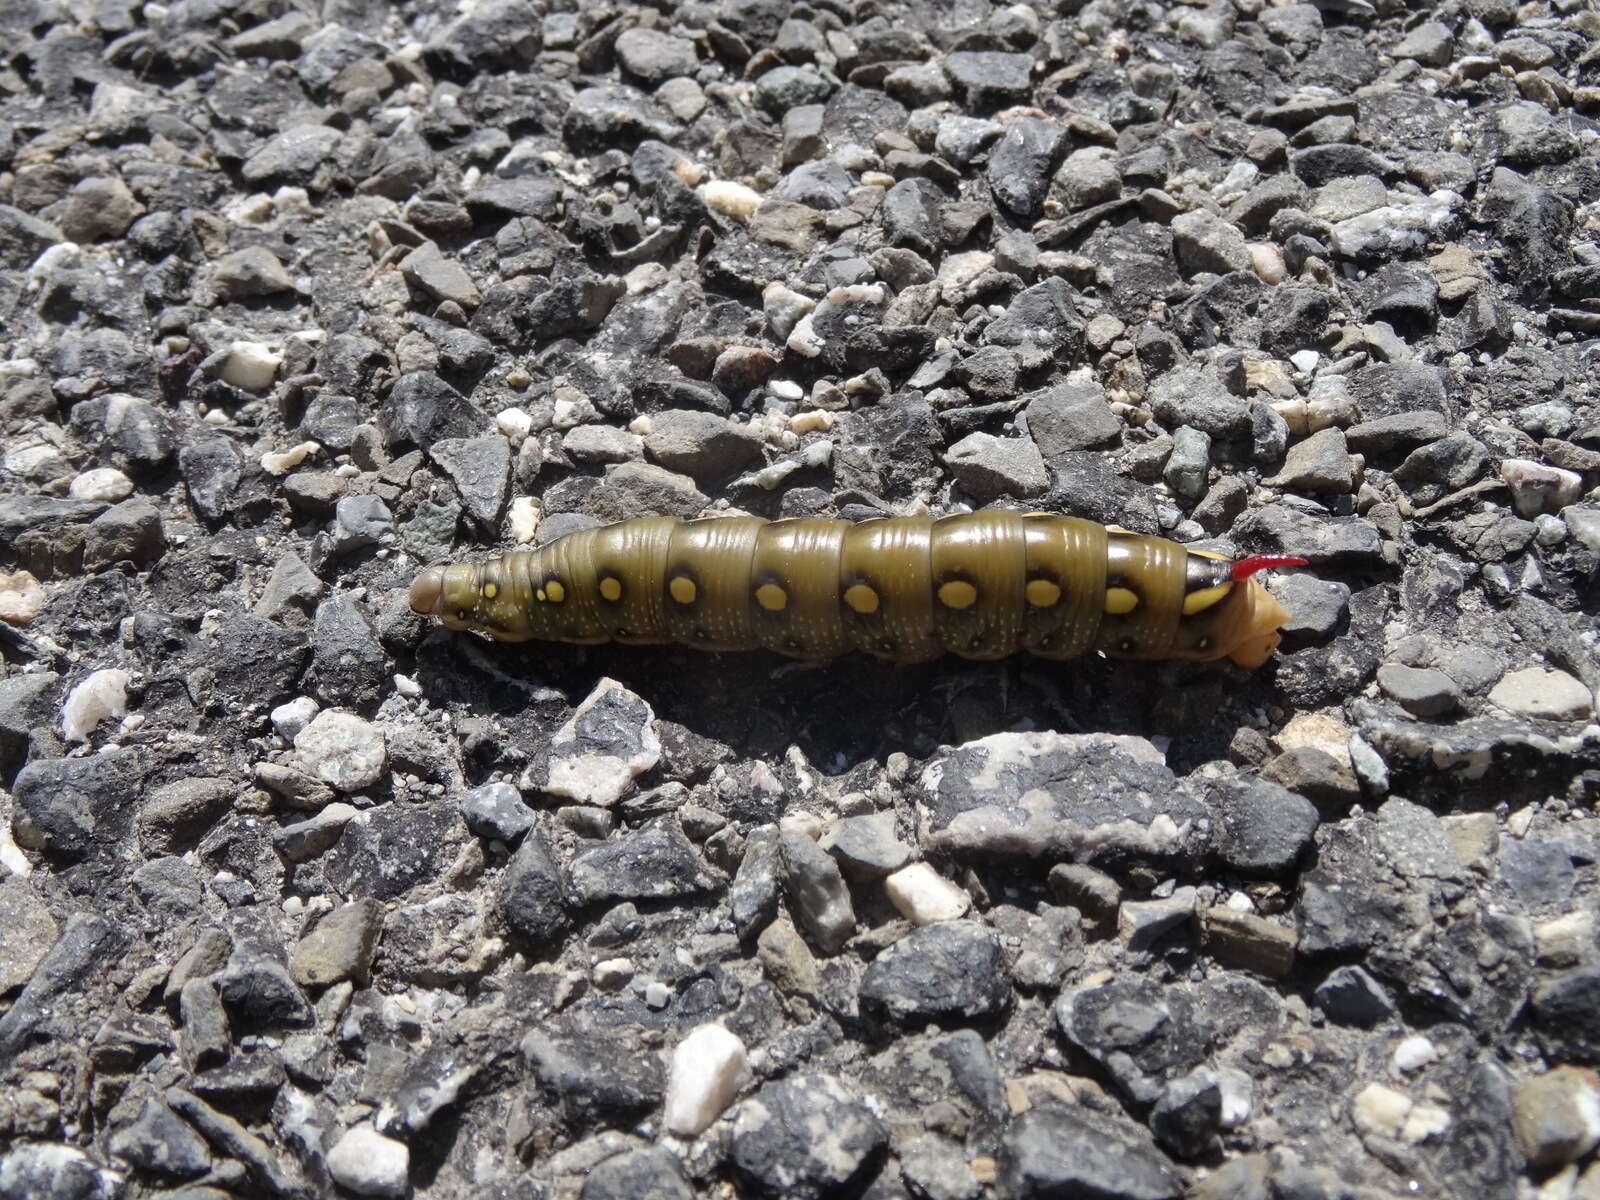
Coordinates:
982	585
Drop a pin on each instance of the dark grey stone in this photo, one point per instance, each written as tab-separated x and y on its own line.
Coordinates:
1043	315
1188	1116
1021	163
817	893
594	1071
1538	871
1263	829
79	803
130	433
86	947
650	1173
911	215
753	895
1054	1151
27	701
866	848
807	1137
1143	1034
481	470
496	810
1350	996
349	667
257	659
1194	396
159	1142
212	471
423	409
990	78
1421	691
127	532
655	862
259	993
532	894
948	971
1070	417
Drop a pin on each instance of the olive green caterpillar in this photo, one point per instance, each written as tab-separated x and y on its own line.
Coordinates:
982	585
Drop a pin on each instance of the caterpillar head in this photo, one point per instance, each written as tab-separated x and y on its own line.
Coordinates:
471	596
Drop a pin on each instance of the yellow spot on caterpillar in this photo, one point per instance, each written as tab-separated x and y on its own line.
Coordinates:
861	598
682	589
1204	598
1120	600
540	594
611	588
491	590
1212	554
1042	593
555	591
772	597
958	593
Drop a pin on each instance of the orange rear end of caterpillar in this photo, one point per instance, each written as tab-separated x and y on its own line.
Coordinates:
981	585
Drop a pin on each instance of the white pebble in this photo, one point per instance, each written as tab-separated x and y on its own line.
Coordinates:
786	389
1238	1096
657	995
1540	488
255	209
104	694
923	896
1305	360
1413	1054
22	598
343	750
513	423
291	199
290	718
646	277
281	462
708	1069
1380	1110
816	418
611	973
407	686
1268	262
370	1164
251	366
102	483
731	199
523	519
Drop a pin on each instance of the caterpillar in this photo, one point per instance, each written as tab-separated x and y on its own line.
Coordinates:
982	585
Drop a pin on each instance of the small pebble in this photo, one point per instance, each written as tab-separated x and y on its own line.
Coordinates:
22	598
708	1068
370	1164
731	199
251	366
923	896
290	718
103	694
101	483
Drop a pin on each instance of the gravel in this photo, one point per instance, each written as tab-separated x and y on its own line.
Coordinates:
299	892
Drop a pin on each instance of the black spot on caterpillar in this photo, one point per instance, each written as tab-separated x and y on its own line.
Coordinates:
982	585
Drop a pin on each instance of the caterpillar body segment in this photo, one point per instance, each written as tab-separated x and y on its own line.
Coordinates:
981	585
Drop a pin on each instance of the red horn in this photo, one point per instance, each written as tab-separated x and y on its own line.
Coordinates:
1247	567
